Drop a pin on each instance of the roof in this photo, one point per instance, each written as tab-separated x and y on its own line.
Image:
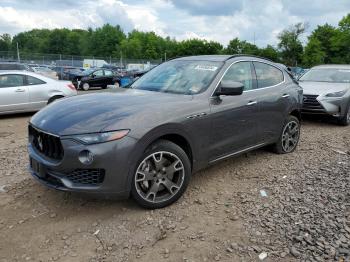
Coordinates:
217	58
333	66
23	72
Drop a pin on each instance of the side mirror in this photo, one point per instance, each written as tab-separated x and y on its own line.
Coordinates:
230	88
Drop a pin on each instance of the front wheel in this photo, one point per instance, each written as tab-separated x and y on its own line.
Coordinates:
289	137
86	86
161	176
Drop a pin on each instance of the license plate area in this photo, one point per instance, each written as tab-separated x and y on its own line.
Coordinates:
37	167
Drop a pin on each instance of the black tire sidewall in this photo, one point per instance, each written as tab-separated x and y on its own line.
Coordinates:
343	120
163	145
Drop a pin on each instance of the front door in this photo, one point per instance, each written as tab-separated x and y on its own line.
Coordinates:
98	78
13	93
234	117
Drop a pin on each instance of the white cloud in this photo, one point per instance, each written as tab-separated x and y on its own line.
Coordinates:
218	20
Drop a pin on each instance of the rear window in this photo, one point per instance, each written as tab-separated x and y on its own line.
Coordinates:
267	75
34	81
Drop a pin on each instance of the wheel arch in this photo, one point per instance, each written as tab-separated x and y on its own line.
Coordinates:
54	97
296	113
173	133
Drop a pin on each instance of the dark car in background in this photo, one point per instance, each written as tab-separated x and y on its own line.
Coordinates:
14	66
97	77
178	118
62	71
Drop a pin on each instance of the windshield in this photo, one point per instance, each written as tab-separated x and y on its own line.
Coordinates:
335	75
179	77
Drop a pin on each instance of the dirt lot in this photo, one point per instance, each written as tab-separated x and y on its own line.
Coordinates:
222	216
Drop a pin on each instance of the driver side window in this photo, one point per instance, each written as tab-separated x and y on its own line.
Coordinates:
98	73
240	72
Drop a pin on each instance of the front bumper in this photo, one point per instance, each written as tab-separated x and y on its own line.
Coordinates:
107	175
320	104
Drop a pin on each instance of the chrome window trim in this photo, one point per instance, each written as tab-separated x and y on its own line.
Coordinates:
235	62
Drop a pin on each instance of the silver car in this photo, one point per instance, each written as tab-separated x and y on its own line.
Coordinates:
22	91
327	91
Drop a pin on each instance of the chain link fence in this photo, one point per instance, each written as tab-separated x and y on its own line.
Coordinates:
71	60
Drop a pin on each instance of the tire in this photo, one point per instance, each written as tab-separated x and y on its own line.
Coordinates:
52	99
284	146
85	86
116	84
345	119
161	175
104	87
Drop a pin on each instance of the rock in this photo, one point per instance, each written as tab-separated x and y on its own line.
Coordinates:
295	252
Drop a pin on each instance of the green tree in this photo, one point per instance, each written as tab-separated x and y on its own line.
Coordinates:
290	45
313	54
5	42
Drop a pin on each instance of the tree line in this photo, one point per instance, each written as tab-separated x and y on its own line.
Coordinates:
326	44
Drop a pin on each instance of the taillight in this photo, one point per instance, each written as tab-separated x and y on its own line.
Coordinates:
71	86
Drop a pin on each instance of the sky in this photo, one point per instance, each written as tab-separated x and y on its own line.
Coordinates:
258	21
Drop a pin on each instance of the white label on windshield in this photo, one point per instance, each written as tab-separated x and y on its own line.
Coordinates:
206	67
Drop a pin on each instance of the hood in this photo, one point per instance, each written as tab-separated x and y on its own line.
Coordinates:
106	111
321	88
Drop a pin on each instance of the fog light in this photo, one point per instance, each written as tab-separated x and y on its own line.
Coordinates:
86	157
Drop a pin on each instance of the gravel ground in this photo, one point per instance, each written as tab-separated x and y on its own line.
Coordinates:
289	207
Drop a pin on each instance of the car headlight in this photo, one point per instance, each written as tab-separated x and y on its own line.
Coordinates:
336	94
96	138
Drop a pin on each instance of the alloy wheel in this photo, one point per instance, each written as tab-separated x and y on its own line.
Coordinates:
159	177
290	136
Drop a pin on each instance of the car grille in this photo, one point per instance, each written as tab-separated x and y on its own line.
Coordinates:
47	144
87	176
310	103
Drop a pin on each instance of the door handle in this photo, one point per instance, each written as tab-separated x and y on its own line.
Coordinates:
252	103
20	90
285	95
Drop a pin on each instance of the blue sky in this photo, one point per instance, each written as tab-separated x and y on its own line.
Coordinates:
219	20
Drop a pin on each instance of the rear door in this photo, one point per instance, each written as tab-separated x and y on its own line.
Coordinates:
109	75
273	101
234	117
38	92
13	93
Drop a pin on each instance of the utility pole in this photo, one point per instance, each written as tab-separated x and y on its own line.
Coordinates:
18	58
121	59
254	38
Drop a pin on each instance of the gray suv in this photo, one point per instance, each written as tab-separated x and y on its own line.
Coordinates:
179	117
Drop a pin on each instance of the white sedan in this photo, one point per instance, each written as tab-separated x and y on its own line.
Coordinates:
22	91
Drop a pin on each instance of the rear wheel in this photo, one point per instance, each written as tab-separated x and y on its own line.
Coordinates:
162	175
345	119
289	137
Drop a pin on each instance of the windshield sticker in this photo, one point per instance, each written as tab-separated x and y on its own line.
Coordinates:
206	67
